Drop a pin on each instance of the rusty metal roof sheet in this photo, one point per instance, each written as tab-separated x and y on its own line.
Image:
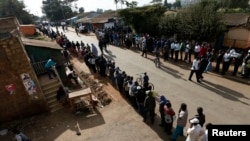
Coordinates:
41	43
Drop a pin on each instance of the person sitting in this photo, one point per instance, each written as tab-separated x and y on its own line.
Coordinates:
74	76
61	95
20	136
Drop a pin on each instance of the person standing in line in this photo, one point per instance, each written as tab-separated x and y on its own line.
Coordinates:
181	122
200	116
226	62
182	49
176	50
187	49
194	69
246	66
166	49
163	102
238	60
205	135
144	47
169	118
149	105
172	47
194	131
145	80
219	60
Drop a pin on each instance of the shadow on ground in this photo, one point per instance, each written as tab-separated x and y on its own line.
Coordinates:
223	91
54	124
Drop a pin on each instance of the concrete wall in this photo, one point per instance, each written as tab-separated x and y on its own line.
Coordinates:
14	62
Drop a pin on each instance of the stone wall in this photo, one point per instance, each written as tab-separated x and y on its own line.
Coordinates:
14	62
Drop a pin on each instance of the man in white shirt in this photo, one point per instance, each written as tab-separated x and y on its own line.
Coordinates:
194	69
194	131
226	62
176	50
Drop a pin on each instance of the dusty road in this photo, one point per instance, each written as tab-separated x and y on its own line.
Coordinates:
224	101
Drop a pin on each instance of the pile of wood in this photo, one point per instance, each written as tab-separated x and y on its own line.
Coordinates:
96	87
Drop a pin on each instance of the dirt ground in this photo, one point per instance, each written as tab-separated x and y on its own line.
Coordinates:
115	121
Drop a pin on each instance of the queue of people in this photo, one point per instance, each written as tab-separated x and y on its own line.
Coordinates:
143	98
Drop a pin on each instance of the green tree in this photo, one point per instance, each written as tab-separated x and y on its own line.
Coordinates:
177	4
167	5
201	21
233	3
132	4
15	8
156	1
81	10
57	10
99	10
116	2
143	19
168	24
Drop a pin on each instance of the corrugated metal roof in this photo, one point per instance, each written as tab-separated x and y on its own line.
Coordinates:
236	19
102	18
41	43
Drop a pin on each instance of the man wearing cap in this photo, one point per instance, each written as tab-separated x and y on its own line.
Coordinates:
194	131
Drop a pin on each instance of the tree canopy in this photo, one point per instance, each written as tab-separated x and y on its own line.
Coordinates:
57	10
200	21
233	3
143	19
15	8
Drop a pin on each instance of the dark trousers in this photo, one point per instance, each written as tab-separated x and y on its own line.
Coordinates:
176	55
133	101
151	114
189	56
236	67
162	118
51	71
217	67
172	53
181	54
144	52
225	67
196	73
168	127
166	55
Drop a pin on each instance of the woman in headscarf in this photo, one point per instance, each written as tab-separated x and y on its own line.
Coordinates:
163	102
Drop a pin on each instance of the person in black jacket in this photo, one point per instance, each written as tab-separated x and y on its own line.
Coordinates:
200	116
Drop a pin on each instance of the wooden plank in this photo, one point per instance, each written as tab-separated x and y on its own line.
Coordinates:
80	93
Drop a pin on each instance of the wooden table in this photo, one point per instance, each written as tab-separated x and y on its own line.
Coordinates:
79	94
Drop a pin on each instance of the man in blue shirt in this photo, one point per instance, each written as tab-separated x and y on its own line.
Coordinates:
48	67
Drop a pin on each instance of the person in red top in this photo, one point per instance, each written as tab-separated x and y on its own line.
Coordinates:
169	118
203	50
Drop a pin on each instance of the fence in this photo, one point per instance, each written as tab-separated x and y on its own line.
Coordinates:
39	67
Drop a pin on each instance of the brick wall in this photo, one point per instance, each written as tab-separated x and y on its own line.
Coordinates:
14	62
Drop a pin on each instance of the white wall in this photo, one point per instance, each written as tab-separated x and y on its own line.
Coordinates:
109	25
